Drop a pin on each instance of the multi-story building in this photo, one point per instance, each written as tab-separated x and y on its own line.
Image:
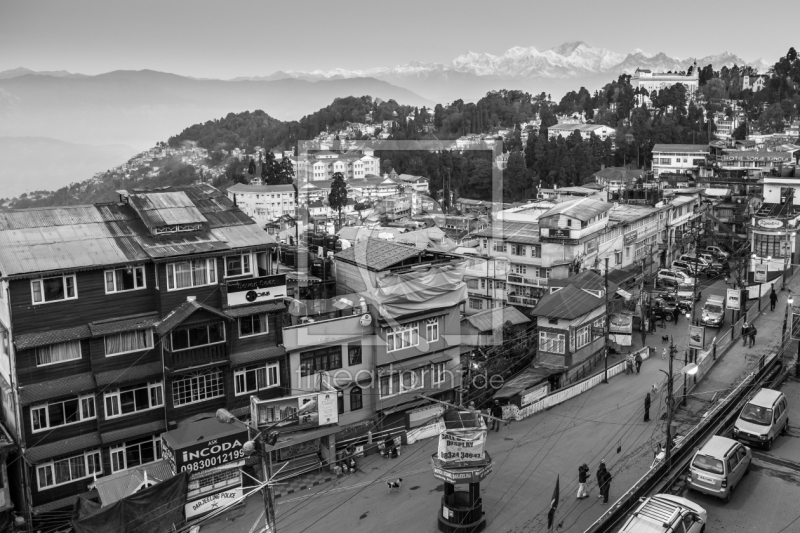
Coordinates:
323	164
486	284
586	130
684	216
264	203
754	162
772	230
124	320
617	179
417	183
655	81
689	159
754	83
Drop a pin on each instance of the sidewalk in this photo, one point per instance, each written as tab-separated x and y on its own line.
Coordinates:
605	422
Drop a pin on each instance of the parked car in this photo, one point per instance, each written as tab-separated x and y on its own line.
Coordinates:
664	307
675	275
719	252
763	418
682	291
713	313
700	264
665	513
718	466
689	268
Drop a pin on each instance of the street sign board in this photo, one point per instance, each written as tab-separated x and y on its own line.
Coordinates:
212	502
697	337
734	299
760	275
460	475
263	289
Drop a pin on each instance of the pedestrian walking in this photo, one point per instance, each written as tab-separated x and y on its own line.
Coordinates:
647	408
603	481
663	318
497	413
638	360
752	331
583	475
664	353
773	299
653	319
745	333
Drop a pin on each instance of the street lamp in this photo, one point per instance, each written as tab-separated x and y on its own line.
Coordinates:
690	370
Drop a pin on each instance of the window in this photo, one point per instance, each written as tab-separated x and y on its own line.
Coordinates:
68	470
329	358
356	398
128	341
125	279
521	269
255	378
536	250
135	453
197	336
400	382
599	326
55	414
58	353
472	284
197	387
432	329
617	258
250	326
132	399
518	249
582	337
551	342
437	373
499	246
569	222
400	337
475	303
354	354
191	274
53	289
666	161
237	265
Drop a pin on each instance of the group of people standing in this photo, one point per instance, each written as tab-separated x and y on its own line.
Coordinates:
603	481
748	332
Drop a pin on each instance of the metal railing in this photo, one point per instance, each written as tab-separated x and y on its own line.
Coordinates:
523	300
523	280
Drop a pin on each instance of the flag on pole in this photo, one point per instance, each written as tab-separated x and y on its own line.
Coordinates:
553	506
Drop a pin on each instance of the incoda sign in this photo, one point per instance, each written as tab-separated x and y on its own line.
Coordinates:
206	454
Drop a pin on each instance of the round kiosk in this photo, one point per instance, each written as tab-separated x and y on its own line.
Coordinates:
461	462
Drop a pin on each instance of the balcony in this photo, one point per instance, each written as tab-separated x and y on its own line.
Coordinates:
516	279
523	301
215	353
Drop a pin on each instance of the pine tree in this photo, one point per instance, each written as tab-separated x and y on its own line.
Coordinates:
337	198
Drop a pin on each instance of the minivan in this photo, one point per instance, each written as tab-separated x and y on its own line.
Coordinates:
677	276
665	513
713	313
690	268
763	418
701	263
716	250
718	466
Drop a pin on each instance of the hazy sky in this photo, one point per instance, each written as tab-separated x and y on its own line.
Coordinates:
224	39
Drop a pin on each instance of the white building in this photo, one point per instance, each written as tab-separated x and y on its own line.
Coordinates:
565	130
264	203
324	164
754	83
655	81
680	159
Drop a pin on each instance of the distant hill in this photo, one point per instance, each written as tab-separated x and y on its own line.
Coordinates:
36	163
138	108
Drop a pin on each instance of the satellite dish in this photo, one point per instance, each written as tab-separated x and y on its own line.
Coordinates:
366	319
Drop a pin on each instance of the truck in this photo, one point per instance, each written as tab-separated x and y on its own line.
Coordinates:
713	311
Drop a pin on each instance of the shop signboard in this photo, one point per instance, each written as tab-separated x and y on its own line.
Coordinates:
697	337
769	223
760	275
255	290
461	446
204	444
591	246
462	475
734	299
534	395
298	412
795	311
558	233
212	502
630	237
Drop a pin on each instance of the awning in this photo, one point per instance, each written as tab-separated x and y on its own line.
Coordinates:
54	336
624	294
57	388
406	406
142	430
524	381
63	447
269	307
296	437
127	375
117	325
257	356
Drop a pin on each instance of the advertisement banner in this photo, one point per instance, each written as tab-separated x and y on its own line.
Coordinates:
534	395
205	454
760	275
734	299
463	446
327	407
697	337
630	237
621	324
465	475
795	320
253	290
212	502
318	409
558	233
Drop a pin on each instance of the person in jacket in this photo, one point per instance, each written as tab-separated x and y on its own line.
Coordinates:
583	475
497	413
773	299
638	360
603	481
752	334
745	333
647	408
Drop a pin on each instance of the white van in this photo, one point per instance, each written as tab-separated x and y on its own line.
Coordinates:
763	418
719	466
665	513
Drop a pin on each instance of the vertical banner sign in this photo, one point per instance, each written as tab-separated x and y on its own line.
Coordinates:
697	337
760	275
328	407
795	321
734	299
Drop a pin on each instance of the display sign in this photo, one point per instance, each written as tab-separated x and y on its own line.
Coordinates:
630	237
769	223
745	156
734	299
462	475
327	407
697	337
760	275
212	502
252	290
461	446
558	233
621	324
534	395
297	411
591	246
204	454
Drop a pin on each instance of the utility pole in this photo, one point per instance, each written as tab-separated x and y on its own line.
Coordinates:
608	325
669	403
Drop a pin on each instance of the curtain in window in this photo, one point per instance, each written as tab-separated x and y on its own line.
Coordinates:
183	275
128	341
199	271
61	469
56	353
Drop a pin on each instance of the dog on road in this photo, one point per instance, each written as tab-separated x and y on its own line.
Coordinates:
394	484
664	339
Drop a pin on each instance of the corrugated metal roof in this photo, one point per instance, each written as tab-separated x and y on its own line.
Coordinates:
376	254
248	310
116	325
57	388
142	430
569	303
681	148
53	336
158	209
257	356
182	312
491	319
128	374
583	209
518	232
630	212
260	189
526	379
37	454
117	486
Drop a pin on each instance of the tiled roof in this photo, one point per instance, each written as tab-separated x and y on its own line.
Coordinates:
37	454
33	340
128	374
257	356
142	430
519	232
485	320
182	312
57	388
376	254
569	303
235	312
116	325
